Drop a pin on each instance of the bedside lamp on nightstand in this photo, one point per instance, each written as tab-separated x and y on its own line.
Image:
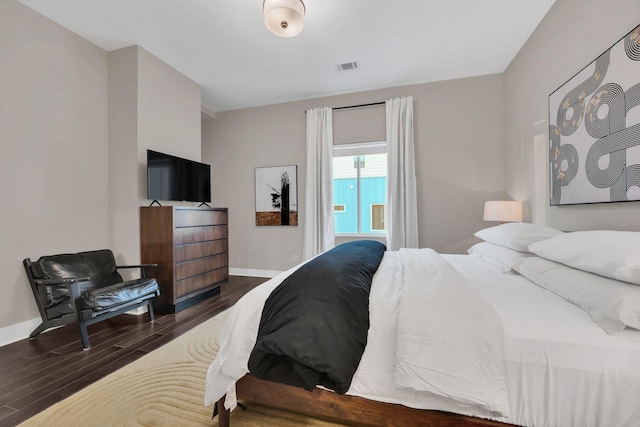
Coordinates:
503	211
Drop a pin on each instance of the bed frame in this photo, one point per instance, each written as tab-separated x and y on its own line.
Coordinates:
350	410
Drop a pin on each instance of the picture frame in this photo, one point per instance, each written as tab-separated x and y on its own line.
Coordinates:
276	189
594	129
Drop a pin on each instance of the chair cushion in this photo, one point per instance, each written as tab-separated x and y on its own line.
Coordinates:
119	293
106	297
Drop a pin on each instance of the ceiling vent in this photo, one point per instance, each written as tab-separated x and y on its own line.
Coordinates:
347	66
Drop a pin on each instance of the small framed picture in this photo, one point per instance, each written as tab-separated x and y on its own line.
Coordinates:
277	195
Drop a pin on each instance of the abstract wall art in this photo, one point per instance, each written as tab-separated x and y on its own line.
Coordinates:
276	195
594	129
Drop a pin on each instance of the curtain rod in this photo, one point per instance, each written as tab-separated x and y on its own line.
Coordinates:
358	106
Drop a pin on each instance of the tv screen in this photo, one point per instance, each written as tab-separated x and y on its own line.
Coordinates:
174	178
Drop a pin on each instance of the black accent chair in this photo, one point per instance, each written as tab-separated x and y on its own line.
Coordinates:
85	288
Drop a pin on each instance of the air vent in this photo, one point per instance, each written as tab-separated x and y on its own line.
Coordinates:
347	66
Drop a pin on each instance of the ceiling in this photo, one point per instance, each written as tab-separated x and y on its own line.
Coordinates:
224	46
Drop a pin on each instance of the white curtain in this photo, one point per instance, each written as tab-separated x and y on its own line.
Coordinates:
319	232
402	205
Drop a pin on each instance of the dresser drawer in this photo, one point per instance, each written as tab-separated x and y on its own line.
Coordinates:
201	265
191	251
200	282
199	234
197	217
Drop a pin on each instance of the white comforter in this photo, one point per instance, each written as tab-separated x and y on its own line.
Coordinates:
429	358
462	360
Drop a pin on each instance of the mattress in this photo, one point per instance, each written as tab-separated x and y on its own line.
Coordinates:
561	368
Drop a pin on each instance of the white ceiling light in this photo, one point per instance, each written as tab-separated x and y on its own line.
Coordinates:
284	18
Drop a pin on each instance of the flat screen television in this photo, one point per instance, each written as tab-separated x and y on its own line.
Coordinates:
174	178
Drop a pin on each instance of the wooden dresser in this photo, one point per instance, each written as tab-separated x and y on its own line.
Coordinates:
190	246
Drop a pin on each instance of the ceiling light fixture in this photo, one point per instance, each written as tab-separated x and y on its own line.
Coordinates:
284	18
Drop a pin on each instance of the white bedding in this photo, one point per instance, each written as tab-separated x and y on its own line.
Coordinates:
434	354
561	368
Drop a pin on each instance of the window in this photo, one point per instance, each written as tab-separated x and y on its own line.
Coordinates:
360	187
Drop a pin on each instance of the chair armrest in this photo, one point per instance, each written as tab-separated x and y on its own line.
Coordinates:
137	266
73	284
143	268
74	297
61	281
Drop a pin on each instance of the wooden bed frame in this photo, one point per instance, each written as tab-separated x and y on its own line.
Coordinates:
350	410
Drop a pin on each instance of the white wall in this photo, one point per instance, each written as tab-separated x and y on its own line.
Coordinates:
459	160
572	35
53	149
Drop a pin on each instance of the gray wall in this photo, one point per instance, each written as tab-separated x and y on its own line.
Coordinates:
53	149
459	160
75	123
573	34
151	105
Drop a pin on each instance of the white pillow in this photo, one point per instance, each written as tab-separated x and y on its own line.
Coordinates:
610	303
613	254
517	235
499	256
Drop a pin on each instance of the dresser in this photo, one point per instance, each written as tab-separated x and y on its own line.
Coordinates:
190	246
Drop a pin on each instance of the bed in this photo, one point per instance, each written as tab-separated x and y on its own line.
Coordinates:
563	314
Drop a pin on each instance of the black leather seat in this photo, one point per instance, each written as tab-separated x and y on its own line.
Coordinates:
85	288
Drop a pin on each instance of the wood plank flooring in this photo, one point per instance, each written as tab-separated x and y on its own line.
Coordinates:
36	374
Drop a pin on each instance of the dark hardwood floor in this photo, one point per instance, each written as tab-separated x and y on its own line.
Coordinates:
36	374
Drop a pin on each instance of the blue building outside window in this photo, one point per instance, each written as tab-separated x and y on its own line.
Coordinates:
359	191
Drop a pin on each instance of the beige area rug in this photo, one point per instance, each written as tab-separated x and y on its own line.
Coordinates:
162	388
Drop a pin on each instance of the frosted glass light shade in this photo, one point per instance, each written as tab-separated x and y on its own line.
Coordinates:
503	211
284	18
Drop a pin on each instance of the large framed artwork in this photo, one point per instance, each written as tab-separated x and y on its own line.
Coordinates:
276	195
594	129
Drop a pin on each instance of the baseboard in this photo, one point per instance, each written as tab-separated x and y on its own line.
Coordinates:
19	331
253	273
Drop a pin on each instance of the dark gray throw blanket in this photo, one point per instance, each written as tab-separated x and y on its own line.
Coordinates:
314	325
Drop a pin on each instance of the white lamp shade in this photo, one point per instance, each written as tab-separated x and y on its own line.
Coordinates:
502	210
284	18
